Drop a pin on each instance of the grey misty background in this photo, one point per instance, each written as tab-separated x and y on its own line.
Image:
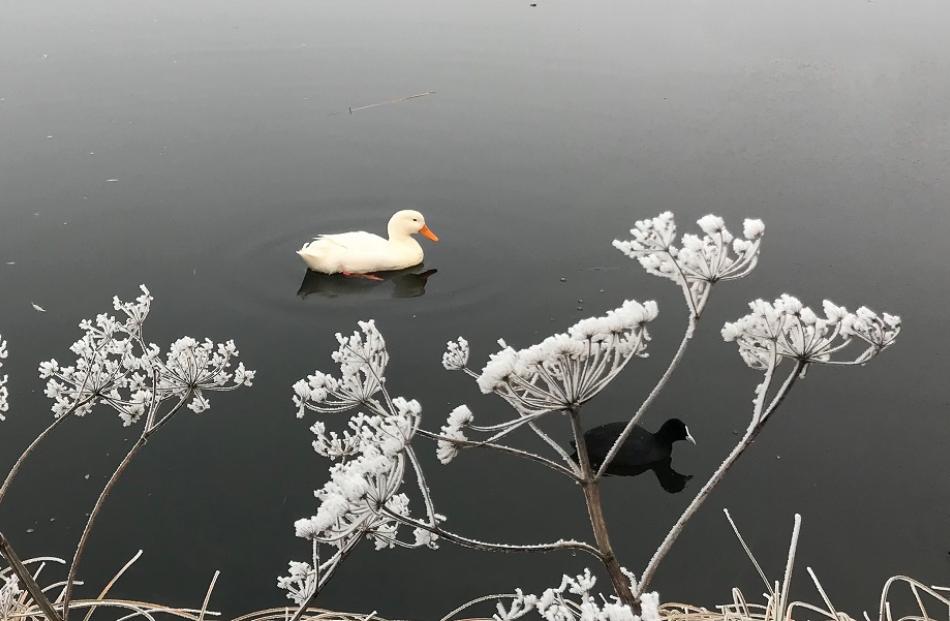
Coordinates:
552	130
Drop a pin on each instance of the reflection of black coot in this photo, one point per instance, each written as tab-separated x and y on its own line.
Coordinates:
408	283
641	451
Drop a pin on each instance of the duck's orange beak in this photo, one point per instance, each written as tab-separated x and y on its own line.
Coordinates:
426	232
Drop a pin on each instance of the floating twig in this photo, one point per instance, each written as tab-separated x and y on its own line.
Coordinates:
390	101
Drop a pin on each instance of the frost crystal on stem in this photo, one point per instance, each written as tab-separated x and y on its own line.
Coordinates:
447	449
11	605
697	262
4	391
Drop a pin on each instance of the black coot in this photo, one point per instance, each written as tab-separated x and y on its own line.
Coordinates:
641	451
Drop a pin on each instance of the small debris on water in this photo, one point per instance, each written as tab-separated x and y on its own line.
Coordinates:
37	307
86	477
30	530
111	180
11	262
52	519
563	278
353	109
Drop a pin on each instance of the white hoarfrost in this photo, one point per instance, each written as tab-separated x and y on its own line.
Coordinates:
565	370
11	606
460	417
4	391
363	497
562	372
455	357
115	366
575	600
792	330
694	262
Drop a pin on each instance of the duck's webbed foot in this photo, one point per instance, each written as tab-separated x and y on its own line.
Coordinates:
366	276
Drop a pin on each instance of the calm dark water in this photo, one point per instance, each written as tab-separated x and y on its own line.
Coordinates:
552	129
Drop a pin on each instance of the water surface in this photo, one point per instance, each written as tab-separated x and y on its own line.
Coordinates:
195	146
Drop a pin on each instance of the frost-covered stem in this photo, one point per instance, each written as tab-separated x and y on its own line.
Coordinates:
751	433
690	330
26	453
595	509
83	540
478	600
550	441
475	544
503	448
116	475
342	554
16	565
36	442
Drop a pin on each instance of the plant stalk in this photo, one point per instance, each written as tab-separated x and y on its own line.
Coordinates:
116	475
84	539
750	435
595	510
661	383
28	581
26	453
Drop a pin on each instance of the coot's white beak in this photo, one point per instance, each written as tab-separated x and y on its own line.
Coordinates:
689	437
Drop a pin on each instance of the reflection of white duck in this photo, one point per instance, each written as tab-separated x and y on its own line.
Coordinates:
360	253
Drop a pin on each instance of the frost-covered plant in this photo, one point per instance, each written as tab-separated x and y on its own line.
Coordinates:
10	601
771	333
4	391
796	332
574	600
697	262
365	497
568	369
115	366
545	384
17	603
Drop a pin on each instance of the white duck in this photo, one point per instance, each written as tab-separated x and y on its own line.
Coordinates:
360	253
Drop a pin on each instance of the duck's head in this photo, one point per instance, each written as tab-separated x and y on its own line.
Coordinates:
409	222
674	430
